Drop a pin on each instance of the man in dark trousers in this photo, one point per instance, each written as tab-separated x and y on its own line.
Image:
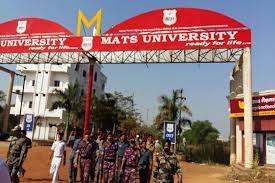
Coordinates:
144	163
122	145
73	142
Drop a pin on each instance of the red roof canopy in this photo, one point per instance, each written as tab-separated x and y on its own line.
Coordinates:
32	26
186	18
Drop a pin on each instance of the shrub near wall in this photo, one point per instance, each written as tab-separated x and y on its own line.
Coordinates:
218	152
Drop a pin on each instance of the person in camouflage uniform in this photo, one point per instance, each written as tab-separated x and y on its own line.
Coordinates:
167	166
16	152
84	153
109	159
130	161
29	145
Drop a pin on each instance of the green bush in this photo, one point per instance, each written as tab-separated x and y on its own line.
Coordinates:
218	152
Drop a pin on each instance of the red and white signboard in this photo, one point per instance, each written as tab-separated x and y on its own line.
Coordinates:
174	41
261	106
46	44
163	29
39	35
175	29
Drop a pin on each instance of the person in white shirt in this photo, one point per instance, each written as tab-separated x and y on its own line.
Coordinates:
4	172
58	150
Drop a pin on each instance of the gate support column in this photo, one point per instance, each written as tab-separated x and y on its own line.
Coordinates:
247	90
8	104
232	141
88	98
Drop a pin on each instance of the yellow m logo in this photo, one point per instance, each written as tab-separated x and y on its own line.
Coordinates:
241	104
82	19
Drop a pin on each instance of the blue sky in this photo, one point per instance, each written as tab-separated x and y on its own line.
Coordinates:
205	85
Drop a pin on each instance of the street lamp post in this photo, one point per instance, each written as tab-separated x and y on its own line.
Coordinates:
22	96
179	118
21	93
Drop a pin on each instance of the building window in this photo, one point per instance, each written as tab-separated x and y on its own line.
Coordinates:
39	72
44	95
94	91
46	72
36	94
103	86
95	77
33	82
30	104
84	74
56	83
76	67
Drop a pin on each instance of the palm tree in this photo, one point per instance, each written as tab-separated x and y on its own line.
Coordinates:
2	100
69	100
170	109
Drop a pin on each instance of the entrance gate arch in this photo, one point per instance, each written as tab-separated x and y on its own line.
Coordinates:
171	35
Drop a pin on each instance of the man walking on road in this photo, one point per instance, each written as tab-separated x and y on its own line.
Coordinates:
73	142
84	156
167	166
16	152
122	145
29	145
130	163
58	151
109	160
144	163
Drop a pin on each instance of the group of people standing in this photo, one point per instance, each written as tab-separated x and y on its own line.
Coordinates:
107	158
100	158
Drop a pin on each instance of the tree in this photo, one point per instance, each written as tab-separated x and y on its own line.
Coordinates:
149	130
70	100
115	111
2	100
169	110
201	132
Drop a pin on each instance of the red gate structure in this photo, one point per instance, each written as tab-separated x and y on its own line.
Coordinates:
171	35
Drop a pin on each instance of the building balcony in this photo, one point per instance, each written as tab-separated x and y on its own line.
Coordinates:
52	88
25	110
27	67
57	113
27	89
46	67
59	68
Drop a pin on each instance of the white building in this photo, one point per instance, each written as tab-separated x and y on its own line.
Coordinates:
41	81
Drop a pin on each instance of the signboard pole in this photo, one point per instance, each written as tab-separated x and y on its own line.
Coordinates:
175	143
170	132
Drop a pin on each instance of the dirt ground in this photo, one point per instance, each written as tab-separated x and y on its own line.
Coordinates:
38	168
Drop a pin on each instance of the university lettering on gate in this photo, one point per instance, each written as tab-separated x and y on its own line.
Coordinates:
174	40
261	106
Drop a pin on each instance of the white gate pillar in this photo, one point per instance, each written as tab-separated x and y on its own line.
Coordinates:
232	141
247	90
